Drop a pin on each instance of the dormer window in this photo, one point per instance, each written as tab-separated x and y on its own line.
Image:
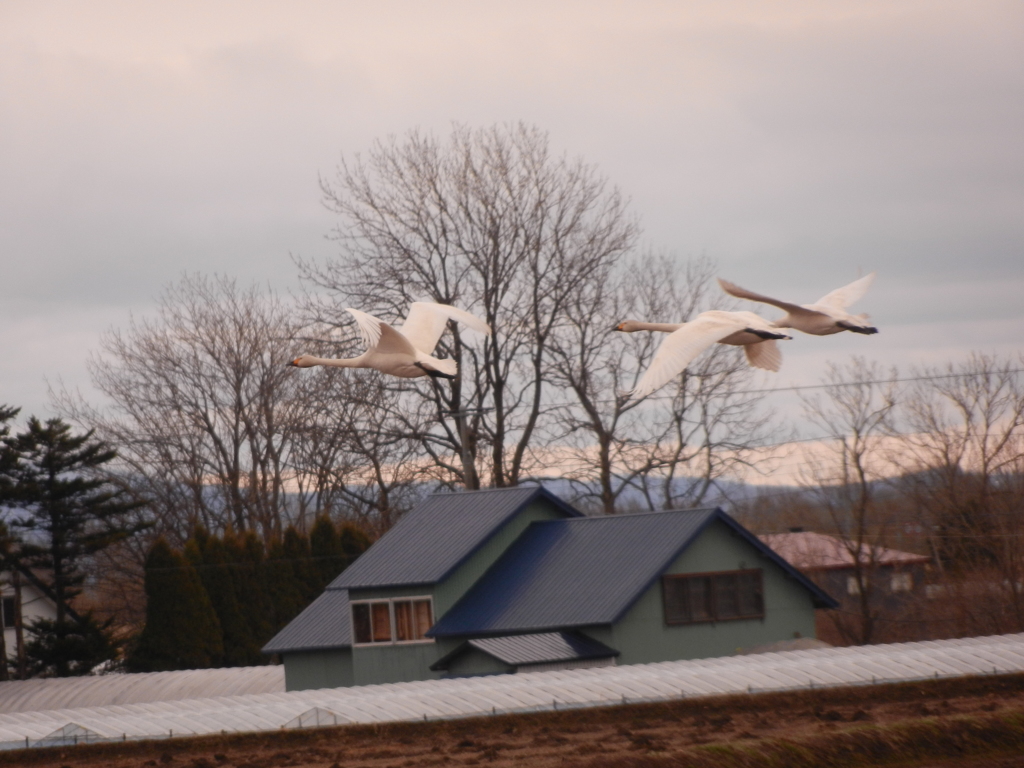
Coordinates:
399	620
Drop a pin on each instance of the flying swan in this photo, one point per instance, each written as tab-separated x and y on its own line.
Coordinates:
406	352
687	340
826	316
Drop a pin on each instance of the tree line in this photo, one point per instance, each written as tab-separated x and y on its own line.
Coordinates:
219	599
932	463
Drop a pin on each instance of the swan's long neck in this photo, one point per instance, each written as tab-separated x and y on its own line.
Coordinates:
638	325
341	362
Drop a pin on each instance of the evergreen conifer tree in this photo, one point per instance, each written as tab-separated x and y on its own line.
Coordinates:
326	548
182	631
354	542
248	557
68	512
290	581
208	555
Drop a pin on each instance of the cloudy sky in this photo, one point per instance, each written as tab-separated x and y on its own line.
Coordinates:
800	143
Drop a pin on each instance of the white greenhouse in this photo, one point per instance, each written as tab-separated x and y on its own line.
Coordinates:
127	715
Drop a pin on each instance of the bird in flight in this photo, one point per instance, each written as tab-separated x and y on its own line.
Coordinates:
687	340
407	351
826	316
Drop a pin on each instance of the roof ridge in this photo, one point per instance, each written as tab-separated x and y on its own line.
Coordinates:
629	515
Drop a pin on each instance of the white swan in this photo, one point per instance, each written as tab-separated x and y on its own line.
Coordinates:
687	340
826	316
406	352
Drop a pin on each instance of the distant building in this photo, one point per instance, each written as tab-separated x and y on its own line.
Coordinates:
31	601
512	580
895	578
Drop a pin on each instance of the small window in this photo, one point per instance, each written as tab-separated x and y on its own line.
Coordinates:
712	597
391	621
9	619
901	582
852	585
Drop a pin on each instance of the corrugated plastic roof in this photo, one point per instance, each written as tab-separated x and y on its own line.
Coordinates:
583	572
530	692
101	690
534	649
572	573
438	535
323	624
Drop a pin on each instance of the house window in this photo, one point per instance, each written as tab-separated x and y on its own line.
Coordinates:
713	597
852	585
392	621
9	619
901	582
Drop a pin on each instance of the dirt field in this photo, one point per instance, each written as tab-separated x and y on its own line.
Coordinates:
941	724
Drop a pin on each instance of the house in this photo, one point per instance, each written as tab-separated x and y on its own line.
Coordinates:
895	579
512	580
21	598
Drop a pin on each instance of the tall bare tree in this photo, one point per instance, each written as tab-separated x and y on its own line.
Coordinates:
856	410
962	459
490	221
666	451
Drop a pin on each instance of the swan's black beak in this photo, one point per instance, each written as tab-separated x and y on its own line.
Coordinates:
293	364
617	327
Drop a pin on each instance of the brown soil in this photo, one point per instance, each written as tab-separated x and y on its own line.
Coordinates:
938	724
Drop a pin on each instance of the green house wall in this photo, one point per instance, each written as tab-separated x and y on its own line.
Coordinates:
643	637
305	670
372	664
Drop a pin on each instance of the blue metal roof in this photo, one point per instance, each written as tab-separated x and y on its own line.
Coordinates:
323	624
583	572
547	647
432	540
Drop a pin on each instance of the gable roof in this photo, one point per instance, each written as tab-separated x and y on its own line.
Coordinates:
608	561
818	551
323	624
532	649
436	537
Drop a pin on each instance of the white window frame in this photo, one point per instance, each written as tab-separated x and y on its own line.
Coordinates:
391	617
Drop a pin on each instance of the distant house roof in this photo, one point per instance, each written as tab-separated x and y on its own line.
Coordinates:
548	647
584	572
811	551
323	624
432	540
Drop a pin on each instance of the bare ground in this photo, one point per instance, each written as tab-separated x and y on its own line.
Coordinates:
936	724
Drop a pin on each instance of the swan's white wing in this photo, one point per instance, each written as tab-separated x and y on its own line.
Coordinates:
765	355
368	325
742	293
379	336
680	347
841	298
426	322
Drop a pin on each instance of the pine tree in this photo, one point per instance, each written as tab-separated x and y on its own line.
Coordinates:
354	542
328	553
182	631
66	510
290	581
208	555
248	558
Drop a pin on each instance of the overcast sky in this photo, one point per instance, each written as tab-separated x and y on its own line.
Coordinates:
798	143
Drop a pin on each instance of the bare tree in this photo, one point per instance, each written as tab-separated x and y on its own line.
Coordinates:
215	429
491	222
666	451
962	462
856	409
